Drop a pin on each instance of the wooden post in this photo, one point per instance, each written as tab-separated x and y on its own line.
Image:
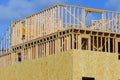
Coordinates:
116	45
30	53
103	21
45	22
83	18
109	44
15	37
58	41
70	18
74	24
40	47
78	15
40	19
61	47
66	18
35	25
63	43
23	55
113	45
47	48
89	43
108	21
101	44
93	43
105	45
53	46
56	46
53	20
97	42
44	49
58	24
16	58
79	42
116	23
67	42
28	29
112	21
73	41
36	51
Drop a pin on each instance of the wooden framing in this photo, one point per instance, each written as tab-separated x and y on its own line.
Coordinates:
57	29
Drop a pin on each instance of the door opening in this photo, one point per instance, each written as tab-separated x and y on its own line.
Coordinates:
19	57
88	78
119	47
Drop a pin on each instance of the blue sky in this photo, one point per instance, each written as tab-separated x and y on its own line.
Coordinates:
12	10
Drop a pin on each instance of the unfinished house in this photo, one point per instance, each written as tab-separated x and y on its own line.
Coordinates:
62	42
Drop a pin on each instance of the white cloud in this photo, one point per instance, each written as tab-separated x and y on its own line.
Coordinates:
16	9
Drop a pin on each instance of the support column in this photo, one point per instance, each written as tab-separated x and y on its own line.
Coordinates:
116	46
97	43
58	42
93	43
72	41
89	43
30	53
61	44
53	46
83	18
16	58
65	43
101	44
113	45
23	55
40	54
67	38
47	48
109	44
105	45
36	51
79	42
44	49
